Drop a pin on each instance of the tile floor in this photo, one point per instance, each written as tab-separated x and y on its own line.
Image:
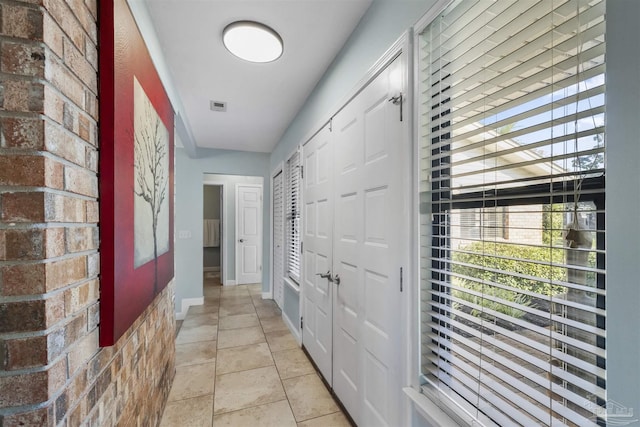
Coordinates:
238	365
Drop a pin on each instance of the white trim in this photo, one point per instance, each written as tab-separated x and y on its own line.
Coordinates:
292	328
267	295
387	58
429	411
186	303
429	16
292	285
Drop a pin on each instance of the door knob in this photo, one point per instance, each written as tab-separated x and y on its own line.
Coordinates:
337	279
327	275
241	240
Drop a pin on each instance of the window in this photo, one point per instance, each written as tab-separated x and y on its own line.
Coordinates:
512	210
293	177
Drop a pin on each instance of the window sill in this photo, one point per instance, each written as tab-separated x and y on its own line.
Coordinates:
427	409
292	285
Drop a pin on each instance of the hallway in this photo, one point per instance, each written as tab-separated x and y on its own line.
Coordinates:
237	364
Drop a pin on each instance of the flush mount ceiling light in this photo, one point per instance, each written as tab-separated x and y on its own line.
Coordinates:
252	41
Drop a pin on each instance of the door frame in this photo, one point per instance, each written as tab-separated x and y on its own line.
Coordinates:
271	293
260	222
212	179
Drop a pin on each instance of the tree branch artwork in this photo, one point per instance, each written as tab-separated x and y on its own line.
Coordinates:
151	163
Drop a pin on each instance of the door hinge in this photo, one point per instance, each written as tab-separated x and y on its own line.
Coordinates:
301	322
301	247
301	172
401	279
331	125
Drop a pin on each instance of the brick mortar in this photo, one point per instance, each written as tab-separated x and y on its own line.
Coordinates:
43	297
26	189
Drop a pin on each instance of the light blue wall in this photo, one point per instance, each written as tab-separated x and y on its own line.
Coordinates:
189	175
380	27
623	203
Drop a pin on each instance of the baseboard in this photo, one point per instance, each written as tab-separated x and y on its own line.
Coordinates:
292	327
230	283
214	268
186	303
267	295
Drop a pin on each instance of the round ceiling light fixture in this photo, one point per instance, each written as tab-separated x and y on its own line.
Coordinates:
252	41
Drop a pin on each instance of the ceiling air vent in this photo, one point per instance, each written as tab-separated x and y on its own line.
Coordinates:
218	106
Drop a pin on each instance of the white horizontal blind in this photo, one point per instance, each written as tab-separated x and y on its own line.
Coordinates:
512	209
278	237
293	217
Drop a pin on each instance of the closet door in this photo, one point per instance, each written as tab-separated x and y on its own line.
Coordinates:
368	251
278	238
317	293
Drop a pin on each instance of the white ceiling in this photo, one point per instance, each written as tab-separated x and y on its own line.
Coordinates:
262	99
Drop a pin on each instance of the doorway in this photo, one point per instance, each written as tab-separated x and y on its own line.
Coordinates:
229	240
212	231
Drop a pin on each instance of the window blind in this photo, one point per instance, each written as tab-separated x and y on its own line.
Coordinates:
293	217
512	148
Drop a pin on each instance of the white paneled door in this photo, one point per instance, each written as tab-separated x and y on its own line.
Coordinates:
248	233
367	210
317	294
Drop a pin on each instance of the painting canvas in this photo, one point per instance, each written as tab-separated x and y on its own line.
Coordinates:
136	175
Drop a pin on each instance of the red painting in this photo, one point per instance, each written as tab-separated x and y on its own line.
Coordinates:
136	174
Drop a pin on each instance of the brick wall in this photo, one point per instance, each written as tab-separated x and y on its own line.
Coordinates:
52	371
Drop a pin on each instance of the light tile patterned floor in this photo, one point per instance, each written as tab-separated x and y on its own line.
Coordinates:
238	365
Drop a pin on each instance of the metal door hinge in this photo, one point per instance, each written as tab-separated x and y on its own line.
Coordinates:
301	172
401	279
331	125
301	247
301	322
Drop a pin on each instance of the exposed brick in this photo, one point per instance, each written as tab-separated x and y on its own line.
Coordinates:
91	53
22	59
75	329
93	316
61	13
76	61
22	133
23	207
22	170
65	272
23	389
83	351
54	174
93	265
64	144
54	242
84	128
21	22
80	181
53	105
61	406
54	309
59	208
23	316
56	343
80	297
81	239
54	35
65	81
93	212
42	417
24	244
21	95
23	353
3	245
23	279
91	161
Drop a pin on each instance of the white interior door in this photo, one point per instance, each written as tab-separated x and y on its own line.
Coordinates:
356	214
317	294
278	238
248	233
368	251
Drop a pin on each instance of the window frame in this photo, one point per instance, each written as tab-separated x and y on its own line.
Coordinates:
293	216
427	397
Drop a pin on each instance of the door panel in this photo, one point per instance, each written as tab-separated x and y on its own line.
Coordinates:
368	253
355	203
249	234
317	293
